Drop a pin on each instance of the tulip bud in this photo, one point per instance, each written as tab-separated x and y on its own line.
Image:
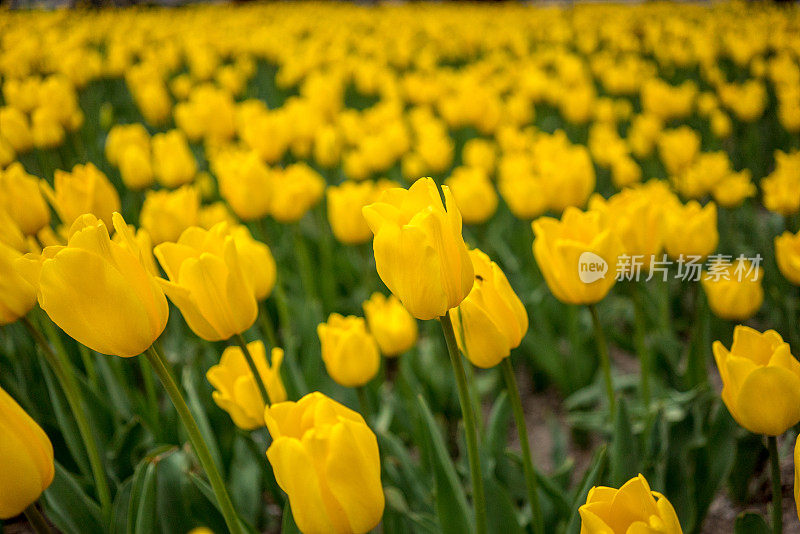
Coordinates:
15	128
123	136
173	162
135	168
787	255
22	199
394	328
781	189
27	455
345	203
419	250
98	291
631	508
166	214
326	459
84	190
734	290
576	255
17	296
236	390
760	381
47	131
296	190
491	320
245	183
350	352
474	194
207	282
691	230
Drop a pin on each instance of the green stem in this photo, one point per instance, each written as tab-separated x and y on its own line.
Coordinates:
151	395
262	389
474	393
777	491
196	437
697	371
37	520
478	498
640	336
522	430
605	361
65	374
363	404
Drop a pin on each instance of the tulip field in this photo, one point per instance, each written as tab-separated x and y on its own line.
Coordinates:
400	267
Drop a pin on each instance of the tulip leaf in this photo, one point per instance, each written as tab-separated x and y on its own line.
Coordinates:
189	381
119	512
245	482
143	500
500	508
68	506
174	513
497	425
450	500
590	478
714	461
750	523
624	452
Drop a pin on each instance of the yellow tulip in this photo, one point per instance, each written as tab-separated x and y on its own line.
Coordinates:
691	230
207	282
16	129
577	255
732	190
245	183
27	455
214	213
326	459
345	203
787	255
236	390
350	353
173	162
123	136
84	190
297	189
97	290
166	214
474	193
258	265
634	508
22	199
394	328
525	195
135	168
734	290
419	251
760	381
47	131
491	320
144	247
781	189
17	296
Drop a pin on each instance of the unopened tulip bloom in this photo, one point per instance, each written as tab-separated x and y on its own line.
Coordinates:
691	230
17	295
16	129
734	290
98	291
296	190
350	352
173	162
326	459
84	190
760	381
166	214
419	251
236	390
492	318
27	455
22	199
245	183
634	508
207	282
257	262
474	193
787	255
135	168
394	328
345	204
577	255
123	136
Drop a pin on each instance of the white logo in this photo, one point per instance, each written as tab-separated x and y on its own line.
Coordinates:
591	267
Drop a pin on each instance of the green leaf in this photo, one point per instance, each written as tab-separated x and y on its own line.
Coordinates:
145	508
68	507
624	452
174	513
500	508
246	481
750	523
497	426
590	478
450	500
714	461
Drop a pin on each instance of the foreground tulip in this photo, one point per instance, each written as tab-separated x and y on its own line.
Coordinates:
631	509
326	459
97	290
419	250
493	319
350	352
236	390
760	381
166	214
207	282
22	199
27	459
394	328
734	291
577	255
258	265
787	255
84	190
17	296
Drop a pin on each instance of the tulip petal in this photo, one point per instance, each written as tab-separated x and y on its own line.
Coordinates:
769	401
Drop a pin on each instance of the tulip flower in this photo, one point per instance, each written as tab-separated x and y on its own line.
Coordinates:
630	509
760	381
245	183
326	459
394	328
27	455
207	282
297	189
345	203
16	129
492	317
781	189
258	265
173	162
22	199
734	290
84	190
350	352
474	194
166	214
576	255
97	290
787	255
123	136
136	168
17	295
419	251
235	387
691	230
